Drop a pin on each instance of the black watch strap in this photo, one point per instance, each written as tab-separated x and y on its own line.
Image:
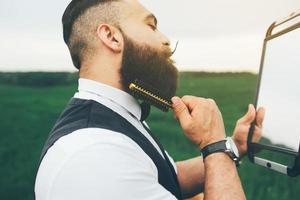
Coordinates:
213	148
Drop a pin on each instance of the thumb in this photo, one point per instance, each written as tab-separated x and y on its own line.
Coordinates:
249	116
260	117
181	111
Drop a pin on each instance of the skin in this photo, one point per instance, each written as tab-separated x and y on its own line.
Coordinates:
193	174
199	118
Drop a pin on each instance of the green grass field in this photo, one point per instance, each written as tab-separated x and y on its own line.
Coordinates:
27	113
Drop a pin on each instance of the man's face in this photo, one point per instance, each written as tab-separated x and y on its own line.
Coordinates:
140	25
147	52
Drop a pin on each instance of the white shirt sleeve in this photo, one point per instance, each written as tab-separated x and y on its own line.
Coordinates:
108	169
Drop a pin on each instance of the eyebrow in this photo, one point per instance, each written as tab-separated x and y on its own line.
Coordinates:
151	16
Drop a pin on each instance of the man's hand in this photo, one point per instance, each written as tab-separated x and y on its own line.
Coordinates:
202	122
240	134
200	119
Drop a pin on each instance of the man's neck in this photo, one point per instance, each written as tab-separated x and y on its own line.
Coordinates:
105	75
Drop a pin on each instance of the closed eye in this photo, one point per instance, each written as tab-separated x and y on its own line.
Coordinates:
151	21
153	27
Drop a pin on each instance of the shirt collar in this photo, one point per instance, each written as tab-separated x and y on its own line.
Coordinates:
115	95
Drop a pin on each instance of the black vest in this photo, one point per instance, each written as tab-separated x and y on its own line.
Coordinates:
81	114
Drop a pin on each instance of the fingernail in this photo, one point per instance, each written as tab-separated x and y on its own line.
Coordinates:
175	100
250	105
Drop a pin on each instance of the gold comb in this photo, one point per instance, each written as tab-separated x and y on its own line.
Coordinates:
150	95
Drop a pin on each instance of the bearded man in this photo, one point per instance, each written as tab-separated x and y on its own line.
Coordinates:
101	146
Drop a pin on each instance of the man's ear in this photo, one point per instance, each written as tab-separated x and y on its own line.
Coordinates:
110	37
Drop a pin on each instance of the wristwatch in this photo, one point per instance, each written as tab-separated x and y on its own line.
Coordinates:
227	146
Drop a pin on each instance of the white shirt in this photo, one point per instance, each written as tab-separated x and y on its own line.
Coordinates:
95	163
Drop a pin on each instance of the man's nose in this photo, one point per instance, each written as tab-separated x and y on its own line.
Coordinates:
167	42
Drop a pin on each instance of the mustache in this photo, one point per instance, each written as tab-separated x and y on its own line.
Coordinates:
175	47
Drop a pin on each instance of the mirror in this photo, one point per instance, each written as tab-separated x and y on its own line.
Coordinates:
278	92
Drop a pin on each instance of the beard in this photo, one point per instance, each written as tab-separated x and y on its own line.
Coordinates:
141	62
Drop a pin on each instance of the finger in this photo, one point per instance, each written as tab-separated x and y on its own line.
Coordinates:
181	111
260	117
249	116
257	134
191	101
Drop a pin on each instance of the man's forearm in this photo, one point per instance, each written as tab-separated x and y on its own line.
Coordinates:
221	178
190	175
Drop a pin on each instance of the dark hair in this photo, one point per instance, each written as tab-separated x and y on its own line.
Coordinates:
73	11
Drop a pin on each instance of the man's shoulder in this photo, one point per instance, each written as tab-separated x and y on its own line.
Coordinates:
95	157
93	146
87	138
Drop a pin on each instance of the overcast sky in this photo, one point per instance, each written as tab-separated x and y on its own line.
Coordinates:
214	35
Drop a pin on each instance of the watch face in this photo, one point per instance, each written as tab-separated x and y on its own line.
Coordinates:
231	145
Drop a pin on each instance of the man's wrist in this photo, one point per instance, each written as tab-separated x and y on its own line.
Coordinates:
204	144
226	146
216	157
